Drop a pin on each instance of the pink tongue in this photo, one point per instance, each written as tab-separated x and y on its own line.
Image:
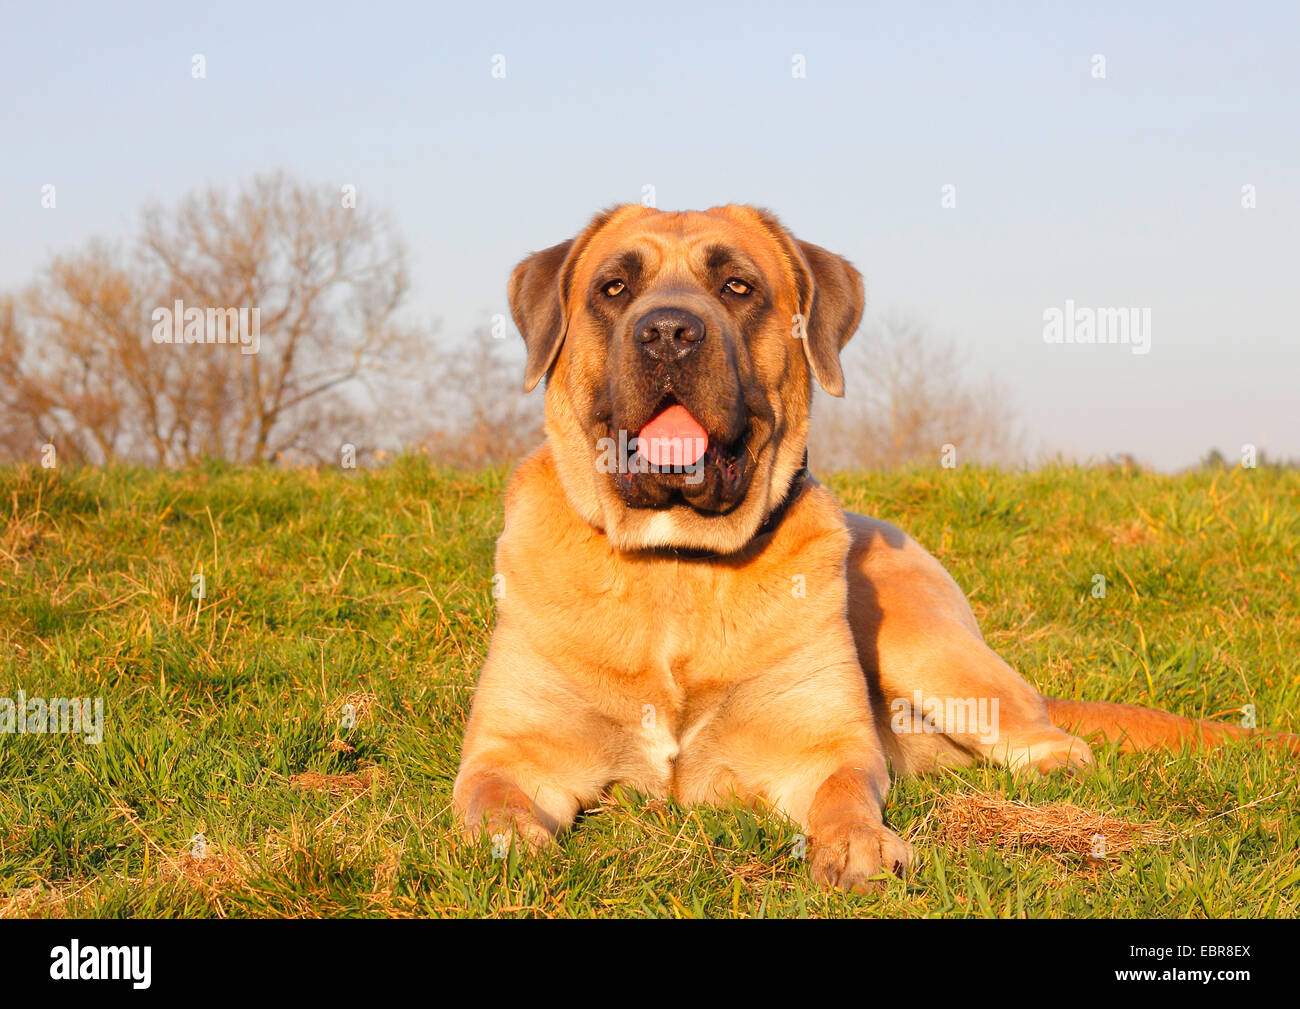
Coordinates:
673	438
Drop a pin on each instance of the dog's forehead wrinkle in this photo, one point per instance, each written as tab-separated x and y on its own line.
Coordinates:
717	255
625	262
675	283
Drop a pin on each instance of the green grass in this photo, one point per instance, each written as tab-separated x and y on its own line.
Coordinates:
374	588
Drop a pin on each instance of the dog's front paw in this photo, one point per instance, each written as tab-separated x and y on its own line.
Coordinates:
504	829
502	813
849	855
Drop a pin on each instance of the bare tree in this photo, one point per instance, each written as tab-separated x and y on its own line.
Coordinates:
74	368
906	397
481	414
80	362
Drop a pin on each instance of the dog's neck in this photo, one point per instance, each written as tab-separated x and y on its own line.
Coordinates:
791	495
797	484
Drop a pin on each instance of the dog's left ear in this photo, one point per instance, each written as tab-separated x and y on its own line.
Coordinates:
830	297
832	310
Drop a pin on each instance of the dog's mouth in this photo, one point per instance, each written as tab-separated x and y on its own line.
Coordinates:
673	459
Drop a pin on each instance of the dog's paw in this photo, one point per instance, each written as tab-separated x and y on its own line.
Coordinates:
851	855
517	828
1073	758
503	814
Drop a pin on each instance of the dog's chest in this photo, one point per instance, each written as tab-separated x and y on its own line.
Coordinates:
660	648
684	627
686	639
657	748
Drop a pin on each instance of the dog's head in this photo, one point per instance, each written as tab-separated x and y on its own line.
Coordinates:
681	349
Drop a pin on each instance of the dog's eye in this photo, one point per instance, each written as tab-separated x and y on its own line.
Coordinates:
614	288
737	286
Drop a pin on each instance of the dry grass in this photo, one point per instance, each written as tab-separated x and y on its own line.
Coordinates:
354	783
34	902
982	818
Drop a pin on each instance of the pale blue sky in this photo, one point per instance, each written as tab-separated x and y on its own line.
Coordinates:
1117	192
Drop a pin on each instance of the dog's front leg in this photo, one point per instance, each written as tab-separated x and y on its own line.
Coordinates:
851	844
532	757
806	743
490	803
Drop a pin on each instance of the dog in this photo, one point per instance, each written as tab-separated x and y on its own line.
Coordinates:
683	608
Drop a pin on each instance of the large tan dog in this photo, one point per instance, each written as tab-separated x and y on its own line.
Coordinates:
682	608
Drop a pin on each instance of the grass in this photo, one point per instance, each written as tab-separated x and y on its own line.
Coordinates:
228	717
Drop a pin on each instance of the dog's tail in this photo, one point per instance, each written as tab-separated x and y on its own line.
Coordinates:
1136	728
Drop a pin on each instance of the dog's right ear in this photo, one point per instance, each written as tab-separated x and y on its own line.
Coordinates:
537	303
539	294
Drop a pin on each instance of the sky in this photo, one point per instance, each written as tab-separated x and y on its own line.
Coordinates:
1115	184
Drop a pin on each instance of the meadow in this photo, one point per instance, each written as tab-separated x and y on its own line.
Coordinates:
283	742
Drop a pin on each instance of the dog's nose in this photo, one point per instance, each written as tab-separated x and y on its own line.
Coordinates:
669	334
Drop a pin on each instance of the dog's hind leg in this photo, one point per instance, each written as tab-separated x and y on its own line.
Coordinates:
921	648
939	693
951	699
